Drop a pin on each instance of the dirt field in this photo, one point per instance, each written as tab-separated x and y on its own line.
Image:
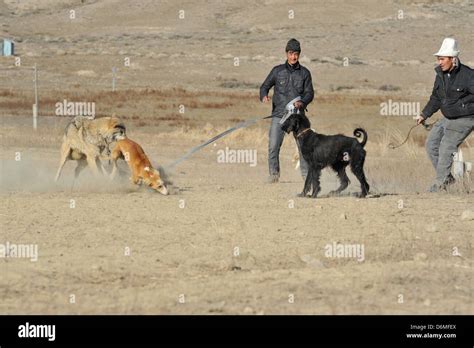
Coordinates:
224	241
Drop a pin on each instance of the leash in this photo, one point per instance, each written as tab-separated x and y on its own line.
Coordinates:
289	110
426	126
242	124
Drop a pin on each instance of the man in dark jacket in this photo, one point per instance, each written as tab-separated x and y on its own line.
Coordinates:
290	81
453	93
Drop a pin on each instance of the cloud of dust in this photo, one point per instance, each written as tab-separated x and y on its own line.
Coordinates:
38	176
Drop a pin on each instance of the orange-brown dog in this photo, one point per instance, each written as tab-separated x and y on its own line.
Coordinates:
139	164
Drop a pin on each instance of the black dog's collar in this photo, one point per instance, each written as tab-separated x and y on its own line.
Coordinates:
302	132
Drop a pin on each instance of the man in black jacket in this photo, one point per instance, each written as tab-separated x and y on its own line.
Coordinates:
290	81
453	93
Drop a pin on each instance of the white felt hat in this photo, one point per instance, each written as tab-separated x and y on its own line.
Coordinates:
449	48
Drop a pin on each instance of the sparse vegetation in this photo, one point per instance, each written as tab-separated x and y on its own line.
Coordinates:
184	86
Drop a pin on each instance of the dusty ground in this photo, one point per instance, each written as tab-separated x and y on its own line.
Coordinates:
224	241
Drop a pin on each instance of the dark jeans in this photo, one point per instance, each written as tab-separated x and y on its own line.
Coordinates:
276	136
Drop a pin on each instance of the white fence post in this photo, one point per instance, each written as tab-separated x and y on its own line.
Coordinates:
35	117
35	106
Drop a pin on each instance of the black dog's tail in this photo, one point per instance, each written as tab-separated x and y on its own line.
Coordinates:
358	132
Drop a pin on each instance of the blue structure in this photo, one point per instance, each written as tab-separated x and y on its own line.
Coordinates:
7	48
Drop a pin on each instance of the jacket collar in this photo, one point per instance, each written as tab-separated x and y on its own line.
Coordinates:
293	67
454	71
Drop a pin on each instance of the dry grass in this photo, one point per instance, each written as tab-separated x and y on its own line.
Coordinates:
145	103
153	115
388	171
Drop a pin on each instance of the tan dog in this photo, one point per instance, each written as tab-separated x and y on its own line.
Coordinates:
86	139
139	164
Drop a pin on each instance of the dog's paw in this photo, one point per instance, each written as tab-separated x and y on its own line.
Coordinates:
314	194
334	193
301	194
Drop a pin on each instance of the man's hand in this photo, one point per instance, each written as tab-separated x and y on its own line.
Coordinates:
298	104
419	119
265	99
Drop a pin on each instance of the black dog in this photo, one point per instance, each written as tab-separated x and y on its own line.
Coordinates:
336	151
